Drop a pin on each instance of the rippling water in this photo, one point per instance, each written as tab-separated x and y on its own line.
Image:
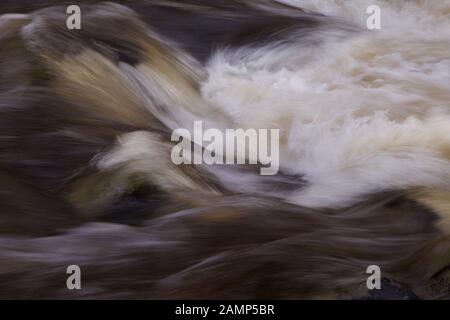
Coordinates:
85	123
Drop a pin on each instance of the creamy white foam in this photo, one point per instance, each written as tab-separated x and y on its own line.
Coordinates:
359	111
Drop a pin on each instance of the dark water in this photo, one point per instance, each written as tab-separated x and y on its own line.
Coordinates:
87	179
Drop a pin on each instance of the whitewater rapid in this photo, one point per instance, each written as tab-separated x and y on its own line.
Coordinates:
359	110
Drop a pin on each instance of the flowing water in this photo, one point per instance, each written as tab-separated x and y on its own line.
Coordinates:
86	118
